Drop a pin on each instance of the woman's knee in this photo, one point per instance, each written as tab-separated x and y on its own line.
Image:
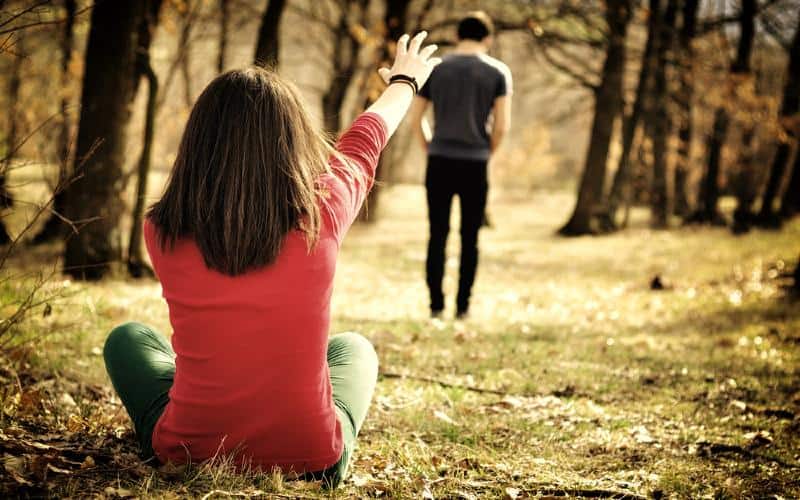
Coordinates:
122	338
356	346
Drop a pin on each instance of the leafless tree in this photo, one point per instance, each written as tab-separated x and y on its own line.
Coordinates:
266	53
109	84
608	106
54	228
136	265
790	106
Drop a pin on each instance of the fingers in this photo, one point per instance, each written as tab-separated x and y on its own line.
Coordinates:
402	45
434	61
428	51
416	42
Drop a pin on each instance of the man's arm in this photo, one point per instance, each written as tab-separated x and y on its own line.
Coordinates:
419	125
502	120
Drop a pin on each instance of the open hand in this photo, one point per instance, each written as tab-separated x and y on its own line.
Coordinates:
410	60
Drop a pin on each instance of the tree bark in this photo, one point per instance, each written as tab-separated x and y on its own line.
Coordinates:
622	174
684	99
184	49
790	204
224	20
344	62
744	178
54	227
394	21
608	105
268	36
94	201
136	265
707	209
790	106
662	124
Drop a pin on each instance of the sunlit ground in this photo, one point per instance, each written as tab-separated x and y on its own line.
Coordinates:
601	385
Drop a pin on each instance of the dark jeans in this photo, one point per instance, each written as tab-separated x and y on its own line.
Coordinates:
141	365
446	177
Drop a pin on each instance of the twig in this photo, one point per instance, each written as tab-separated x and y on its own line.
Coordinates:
249	494
589	493
39	23
442	383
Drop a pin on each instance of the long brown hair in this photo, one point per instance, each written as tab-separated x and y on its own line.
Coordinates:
245	173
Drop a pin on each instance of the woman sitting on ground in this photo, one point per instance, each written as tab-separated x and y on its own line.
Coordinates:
244	242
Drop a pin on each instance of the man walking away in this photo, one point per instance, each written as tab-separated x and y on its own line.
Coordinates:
471	95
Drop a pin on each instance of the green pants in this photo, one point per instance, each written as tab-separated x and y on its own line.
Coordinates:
141	365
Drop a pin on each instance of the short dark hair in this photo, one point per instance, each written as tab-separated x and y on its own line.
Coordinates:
475	26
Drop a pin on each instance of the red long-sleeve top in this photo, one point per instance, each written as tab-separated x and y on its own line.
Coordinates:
251	375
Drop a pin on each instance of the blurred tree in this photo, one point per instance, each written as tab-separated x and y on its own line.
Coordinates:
707	211
790	106
266	54
790	203
660	201
12	136
94	201
684	96
136	264
224	20
188	15
348	36
621	183
54	227
608	105
394	22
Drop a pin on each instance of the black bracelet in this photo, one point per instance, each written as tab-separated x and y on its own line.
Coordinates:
406	79
405	82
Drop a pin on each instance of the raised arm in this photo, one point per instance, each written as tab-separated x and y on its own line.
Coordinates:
411	61
349	182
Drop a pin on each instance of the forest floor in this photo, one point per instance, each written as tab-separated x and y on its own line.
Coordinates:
573	376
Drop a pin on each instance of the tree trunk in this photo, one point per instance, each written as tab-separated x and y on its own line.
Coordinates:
136	265
94	201
54	228
707	207
608	105
344	62
684	97
184	46
224	19
744	183
268	36
790	204
660	201
622	174
789	107
394	21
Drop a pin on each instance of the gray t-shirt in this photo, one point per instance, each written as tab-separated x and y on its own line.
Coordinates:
463	89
